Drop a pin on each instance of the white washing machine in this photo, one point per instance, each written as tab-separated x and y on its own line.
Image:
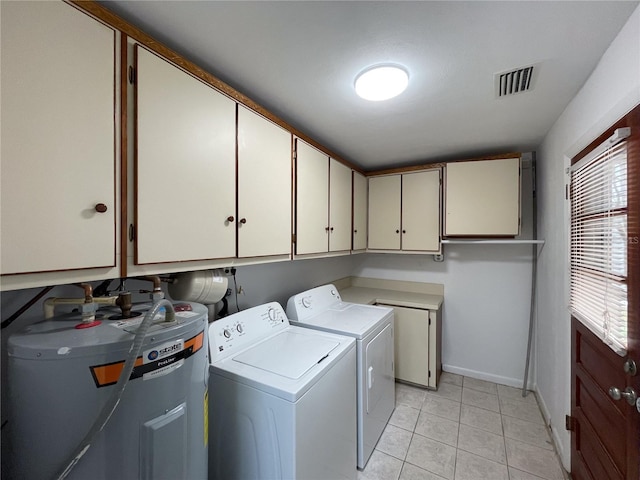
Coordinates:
322	308
281	399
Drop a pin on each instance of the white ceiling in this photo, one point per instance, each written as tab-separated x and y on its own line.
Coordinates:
299	59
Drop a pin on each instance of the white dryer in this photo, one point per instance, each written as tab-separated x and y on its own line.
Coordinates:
281	399
322	308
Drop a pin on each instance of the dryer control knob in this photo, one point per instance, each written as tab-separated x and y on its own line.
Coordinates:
226	333
306	302
239	328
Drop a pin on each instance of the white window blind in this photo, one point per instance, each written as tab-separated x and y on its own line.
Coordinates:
599	245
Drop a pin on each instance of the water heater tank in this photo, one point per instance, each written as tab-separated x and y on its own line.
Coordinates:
59	378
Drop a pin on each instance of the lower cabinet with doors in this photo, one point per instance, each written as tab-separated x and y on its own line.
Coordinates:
418	345
404	212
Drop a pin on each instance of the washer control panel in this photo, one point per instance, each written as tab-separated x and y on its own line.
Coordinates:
235	332
308	304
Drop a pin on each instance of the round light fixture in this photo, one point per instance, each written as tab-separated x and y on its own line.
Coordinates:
381	82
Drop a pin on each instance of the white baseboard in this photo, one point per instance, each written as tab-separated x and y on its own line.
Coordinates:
565	457
511	382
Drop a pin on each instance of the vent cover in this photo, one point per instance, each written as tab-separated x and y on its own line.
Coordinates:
515	81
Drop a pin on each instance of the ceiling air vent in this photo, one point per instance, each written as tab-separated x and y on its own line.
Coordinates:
515	81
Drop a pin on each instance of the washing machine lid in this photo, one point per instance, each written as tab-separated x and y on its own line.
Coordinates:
288	354
350	319
286	364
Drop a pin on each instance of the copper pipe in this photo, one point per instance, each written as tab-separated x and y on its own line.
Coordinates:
156	282
88	291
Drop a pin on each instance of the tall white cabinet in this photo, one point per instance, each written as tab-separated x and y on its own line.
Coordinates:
323	202
404	211
264	186
185	165
59	199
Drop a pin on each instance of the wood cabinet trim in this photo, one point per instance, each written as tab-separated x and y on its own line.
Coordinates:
107	16
124	158
429	166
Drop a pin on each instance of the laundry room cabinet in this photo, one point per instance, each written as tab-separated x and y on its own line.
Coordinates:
482	198
418	345
264	186
404	211
185	165
60	164
360	193
323	202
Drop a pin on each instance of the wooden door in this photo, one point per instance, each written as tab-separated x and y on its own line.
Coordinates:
340	198
185	165
605	437
264	186
359	211
312	199
384	212
421	211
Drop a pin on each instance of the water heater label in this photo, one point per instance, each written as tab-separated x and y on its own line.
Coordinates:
154	362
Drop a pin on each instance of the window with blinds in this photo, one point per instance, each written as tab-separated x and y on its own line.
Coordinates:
599	244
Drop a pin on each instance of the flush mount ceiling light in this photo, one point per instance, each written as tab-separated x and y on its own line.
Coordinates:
382	82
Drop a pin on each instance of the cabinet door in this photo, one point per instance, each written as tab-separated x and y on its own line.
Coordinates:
340	198
264	186
185	165
384	212
421	211
359	211
312	200
58	139
483	198
412	345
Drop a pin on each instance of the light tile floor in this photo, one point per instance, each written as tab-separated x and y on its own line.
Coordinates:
468	429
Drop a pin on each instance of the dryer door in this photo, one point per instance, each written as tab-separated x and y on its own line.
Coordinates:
380	380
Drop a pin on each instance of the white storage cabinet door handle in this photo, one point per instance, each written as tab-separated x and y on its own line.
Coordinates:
370	377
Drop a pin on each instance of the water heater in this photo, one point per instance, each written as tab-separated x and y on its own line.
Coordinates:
60	376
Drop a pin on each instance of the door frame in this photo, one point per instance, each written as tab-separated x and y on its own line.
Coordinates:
632	441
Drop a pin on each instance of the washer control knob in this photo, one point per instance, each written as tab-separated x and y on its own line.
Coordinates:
334	293
226	333
306	302
239	328
272	313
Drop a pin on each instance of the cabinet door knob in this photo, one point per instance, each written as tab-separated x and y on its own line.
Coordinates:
326	229
397	231
243	221
355	231
404	231
230	218
100	208
331	229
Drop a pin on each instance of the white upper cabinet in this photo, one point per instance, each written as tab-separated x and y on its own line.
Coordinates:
264	186
421	211
384	212
359	211
482	198
404	212
340	198
312	199
58	190
185	166
323	202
